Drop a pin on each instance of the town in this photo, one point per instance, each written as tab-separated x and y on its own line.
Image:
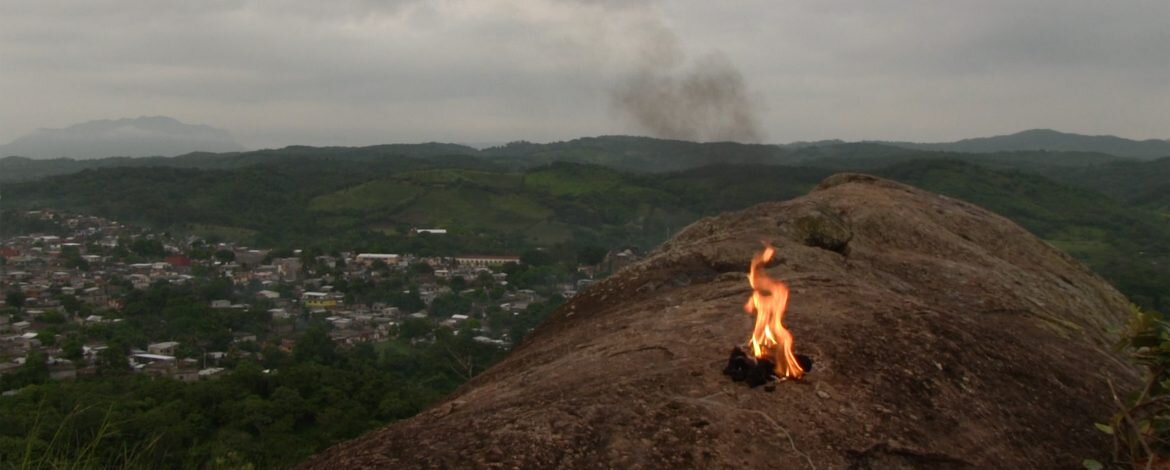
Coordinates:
86	296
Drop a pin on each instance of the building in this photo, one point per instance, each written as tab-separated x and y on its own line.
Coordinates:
319	300
166	348
178	261
268	294
369	258
211	373
62	370
494	342
154	364
289	269
9	367
485	260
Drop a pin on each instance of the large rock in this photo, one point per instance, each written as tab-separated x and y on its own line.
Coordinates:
942	335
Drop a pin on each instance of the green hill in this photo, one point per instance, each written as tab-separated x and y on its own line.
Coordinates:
1122	180
1050	140
354	198
631	154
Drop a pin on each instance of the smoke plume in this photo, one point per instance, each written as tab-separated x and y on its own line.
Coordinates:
706	100
668	94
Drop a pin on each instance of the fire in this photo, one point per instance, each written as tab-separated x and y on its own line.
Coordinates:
768	301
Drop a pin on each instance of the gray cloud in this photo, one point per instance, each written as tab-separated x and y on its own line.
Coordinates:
361	72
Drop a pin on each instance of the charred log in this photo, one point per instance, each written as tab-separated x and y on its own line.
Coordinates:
739	364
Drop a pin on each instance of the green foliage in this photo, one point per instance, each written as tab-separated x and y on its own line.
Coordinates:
52	317
374	195
489	208
315	346
421	268
251	418
518	326
17	222
66	446
591	254
413	328
536	258
148	248
111	362
47	338
225	256
1141	427
181	313
71	304
71	257
450	304
72	348
14	298
1125	181
34	371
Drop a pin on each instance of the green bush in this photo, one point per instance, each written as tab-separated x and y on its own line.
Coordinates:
1141	426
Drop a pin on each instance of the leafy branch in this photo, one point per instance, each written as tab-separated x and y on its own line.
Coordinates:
1141	426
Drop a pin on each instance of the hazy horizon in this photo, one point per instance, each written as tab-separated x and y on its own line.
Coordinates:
362	73
482	145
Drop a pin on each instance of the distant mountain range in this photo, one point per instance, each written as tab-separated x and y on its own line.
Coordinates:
155	141
633	154
138	137
1048	139
161	136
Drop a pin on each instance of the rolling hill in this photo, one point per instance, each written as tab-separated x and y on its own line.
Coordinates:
369	204
1050	140
631	154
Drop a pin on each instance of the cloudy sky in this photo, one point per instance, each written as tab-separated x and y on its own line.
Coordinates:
357	72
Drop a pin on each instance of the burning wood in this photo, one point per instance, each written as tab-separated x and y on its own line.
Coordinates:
769	352
743	367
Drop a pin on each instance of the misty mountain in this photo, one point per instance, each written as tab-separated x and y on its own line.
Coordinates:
137	137
1047	139
626	153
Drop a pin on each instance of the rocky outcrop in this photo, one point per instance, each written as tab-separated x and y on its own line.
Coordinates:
942	335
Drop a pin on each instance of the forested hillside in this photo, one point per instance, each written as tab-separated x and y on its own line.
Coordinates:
1106	211
1050	140
632	154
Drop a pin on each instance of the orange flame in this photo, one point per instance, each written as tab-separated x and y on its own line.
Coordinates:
768	301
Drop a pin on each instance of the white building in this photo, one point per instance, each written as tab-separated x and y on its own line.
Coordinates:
485	260
166	348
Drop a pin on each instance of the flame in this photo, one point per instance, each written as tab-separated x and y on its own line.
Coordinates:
768	301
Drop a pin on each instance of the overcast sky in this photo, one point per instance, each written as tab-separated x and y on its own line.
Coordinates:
484	71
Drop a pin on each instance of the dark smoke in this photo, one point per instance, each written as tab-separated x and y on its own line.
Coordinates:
706	102
667	94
